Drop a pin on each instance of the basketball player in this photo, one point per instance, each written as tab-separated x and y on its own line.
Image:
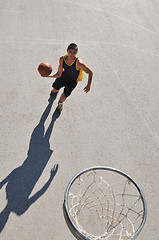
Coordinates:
69	74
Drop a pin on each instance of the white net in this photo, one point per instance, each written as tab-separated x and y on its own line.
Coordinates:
105	205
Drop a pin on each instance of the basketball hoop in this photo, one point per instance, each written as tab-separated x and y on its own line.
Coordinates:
103	203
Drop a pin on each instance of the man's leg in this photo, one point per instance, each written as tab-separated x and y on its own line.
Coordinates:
53	92
67	92
58	83
61	100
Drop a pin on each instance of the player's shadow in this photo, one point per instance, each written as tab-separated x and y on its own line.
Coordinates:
21	181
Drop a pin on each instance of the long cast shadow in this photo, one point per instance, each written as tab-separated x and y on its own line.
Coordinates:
21	181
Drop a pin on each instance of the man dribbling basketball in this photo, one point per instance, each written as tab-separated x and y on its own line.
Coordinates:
69	74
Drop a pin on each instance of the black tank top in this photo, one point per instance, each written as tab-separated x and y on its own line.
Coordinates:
70	71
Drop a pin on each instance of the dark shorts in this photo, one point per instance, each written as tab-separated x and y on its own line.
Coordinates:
63	82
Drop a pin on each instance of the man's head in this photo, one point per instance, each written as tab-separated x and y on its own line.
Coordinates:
72	50
72	46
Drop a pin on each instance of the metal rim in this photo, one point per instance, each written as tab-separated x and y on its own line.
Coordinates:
70	223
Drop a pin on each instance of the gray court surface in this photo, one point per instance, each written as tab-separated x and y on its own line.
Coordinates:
116	124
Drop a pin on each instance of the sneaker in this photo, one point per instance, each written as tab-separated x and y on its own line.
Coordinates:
60	106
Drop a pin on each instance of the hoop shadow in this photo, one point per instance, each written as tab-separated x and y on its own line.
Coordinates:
21	181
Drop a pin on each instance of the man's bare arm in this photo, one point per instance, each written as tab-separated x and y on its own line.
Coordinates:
60	70
87	70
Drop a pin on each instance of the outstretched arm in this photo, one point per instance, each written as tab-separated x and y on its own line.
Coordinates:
60	70
4	181
37	195
87	70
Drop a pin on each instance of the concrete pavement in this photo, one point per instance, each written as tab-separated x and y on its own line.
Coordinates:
116	124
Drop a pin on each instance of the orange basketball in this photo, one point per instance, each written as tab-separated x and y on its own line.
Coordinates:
44	69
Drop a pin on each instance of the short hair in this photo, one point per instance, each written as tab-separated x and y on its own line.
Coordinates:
72	46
